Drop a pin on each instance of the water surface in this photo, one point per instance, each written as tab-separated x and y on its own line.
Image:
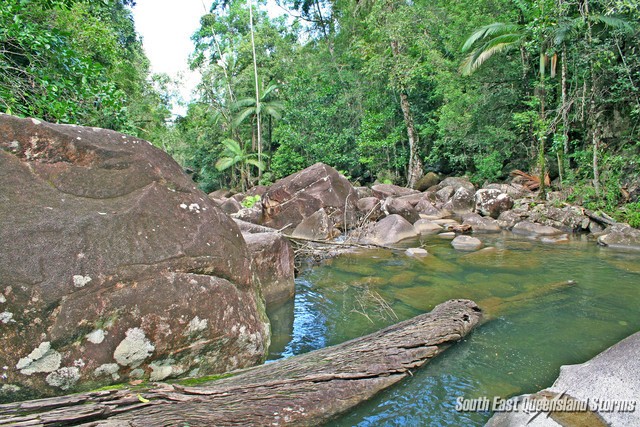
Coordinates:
520	350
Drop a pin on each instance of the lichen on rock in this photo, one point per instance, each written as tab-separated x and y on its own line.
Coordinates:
42	359
134	349
108	369
64	378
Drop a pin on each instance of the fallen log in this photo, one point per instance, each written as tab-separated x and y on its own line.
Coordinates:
602	218
308	389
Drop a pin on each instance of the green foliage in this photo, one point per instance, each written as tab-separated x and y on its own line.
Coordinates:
488	167
250	201
631	214
76	62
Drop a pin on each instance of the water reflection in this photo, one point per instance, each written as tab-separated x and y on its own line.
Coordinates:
519	351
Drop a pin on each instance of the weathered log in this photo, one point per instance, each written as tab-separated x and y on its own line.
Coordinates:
308	389
602	219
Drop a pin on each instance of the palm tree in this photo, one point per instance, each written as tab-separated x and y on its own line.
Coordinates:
235	156
255	75
257	108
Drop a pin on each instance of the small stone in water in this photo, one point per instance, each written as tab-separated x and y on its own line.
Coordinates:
416	252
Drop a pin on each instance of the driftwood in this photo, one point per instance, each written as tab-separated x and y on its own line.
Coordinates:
602	219
303	390
531	182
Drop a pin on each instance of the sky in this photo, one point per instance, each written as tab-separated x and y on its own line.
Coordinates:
166	27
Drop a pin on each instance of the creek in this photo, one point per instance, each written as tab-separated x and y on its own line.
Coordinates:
519	349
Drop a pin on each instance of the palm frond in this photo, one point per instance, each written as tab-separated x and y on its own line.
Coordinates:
613	22
244	102
273	110
495	29
243	115
231	148
225	163
257	163
486	51
268	90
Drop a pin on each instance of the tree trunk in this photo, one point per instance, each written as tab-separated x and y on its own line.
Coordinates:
415	164
308	389
414	172
255	74
565	107
542	134
414	169
595	136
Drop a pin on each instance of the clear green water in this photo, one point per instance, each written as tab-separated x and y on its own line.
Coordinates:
519	351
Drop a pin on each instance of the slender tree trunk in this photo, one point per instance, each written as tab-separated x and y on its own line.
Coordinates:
415	164
595	136
542	134
593	113
414	172
565	107
255	74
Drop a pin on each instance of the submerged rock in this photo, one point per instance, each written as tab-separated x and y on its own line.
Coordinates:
466	243
113	261
417	252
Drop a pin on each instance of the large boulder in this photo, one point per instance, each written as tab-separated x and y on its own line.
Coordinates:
423	226
114	266
456	182
298	196
318	226
509	219
444	194
382	191
400	207
230	206
514	190
602	391
621	236
567	218
462	201
388	231
529	228
427	181
370	208
491	202
480	224
272	265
